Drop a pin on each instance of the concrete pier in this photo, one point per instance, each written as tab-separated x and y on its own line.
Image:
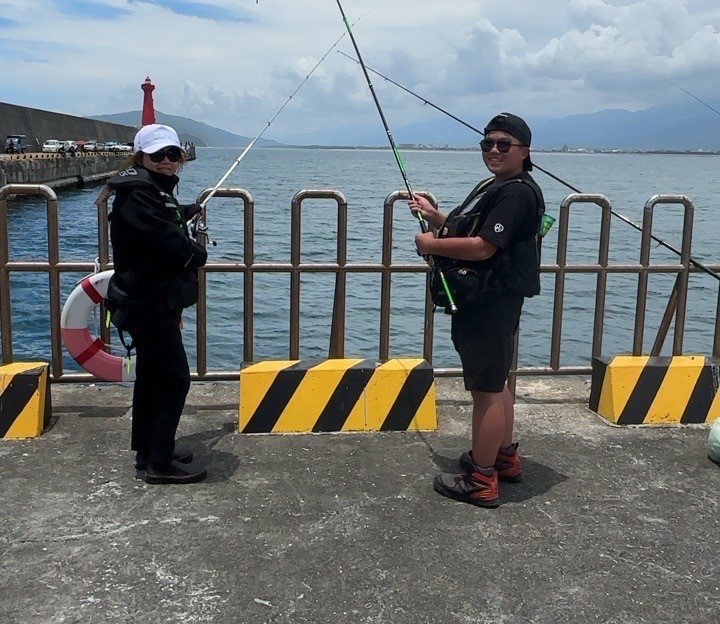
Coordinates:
610	524
57	171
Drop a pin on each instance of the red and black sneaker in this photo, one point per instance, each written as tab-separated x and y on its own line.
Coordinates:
473	487
507	464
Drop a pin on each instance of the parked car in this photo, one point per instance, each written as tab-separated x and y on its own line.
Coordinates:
91	146
121	147
52	146
15	144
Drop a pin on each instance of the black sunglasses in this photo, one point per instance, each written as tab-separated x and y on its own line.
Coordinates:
503	145
173	154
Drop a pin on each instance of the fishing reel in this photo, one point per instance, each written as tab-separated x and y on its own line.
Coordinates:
198	228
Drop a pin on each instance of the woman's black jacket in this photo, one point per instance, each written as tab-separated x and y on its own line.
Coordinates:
155	259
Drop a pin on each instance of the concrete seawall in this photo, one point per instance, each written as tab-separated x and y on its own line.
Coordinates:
58	171
40	125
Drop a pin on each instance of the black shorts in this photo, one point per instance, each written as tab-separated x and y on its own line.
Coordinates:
483	337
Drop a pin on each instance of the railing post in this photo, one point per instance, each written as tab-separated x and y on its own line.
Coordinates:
336	347
248	281
5	307
385	279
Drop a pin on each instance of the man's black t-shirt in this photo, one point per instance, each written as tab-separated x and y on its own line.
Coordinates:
512	216
506	214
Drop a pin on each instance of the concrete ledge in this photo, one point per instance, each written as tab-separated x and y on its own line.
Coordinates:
643	390
24	400
60	171
337	395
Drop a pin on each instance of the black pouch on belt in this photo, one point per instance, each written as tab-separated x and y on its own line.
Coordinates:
467	284
119	304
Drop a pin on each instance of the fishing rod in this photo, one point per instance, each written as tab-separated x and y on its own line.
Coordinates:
269	123
623	218
398	158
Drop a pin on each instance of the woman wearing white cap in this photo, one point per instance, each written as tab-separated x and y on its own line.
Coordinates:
155	278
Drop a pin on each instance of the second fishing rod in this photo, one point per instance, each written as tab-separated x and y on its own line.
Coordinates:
623	218
199	225
396	153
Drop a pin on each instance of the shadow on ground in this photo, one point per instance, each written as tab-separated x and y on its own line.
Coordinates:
91	411
221	465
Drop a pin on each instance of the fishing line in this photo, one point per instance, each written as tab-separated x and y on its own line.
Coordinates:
398	158
623	218
684	91
269	123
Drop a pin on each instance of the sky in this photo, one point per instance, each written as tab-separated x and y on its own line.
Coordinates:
233	63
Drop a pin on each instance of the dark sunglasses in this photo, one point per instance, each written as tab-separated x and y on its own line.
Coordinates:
173	154
503	145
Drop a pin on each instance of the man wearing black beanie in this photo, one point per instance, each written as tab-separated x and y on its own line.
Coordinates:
488	248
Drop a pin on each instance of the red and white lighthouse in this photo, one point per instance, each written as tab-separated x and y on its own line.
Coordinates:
148	110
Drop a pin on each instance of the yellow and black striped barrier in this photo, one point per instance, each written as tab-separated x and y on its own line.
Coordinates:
644	390
337	395
24	399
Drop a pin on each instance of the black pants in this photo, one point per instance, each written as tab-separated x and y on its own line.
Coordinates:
162	381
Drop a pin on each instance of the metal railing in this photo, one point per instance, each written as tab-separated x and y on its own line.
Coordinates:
676	305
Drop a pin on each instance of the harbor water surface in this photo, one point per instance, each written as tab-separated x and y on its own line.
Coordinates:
366	177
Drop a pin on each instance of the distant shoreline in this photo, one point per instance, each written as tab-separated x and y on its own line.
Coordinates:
424	148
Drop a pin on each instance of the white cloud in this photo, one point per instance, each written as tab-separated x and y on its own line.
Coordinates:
542	58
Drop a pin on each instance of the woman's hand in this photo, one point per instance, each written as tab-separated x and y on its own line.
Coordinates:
421	205
192	211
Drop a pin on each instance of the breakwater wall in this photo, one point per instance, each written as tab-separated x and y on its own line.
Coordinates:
40	125
58	171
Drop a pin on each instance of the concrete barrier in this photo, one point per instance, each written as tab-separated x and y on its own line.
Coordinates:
643	390
24	399
337	395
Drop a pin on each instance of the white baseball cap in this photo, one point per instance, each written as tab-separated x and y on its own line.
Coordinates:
152	138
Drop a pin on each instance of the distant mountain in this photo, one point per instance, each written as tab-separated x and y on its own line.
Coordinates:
685	127
661	128
189	130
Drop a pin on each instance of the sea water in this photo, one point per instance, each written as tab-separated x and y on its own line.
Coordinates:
366	177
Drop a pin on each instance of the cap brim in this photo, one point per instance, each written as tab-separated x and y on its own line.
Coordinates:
158	146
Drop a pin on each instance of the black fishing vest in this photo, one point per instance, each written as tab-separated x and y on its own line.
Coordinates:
132	179
161	292
513	269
